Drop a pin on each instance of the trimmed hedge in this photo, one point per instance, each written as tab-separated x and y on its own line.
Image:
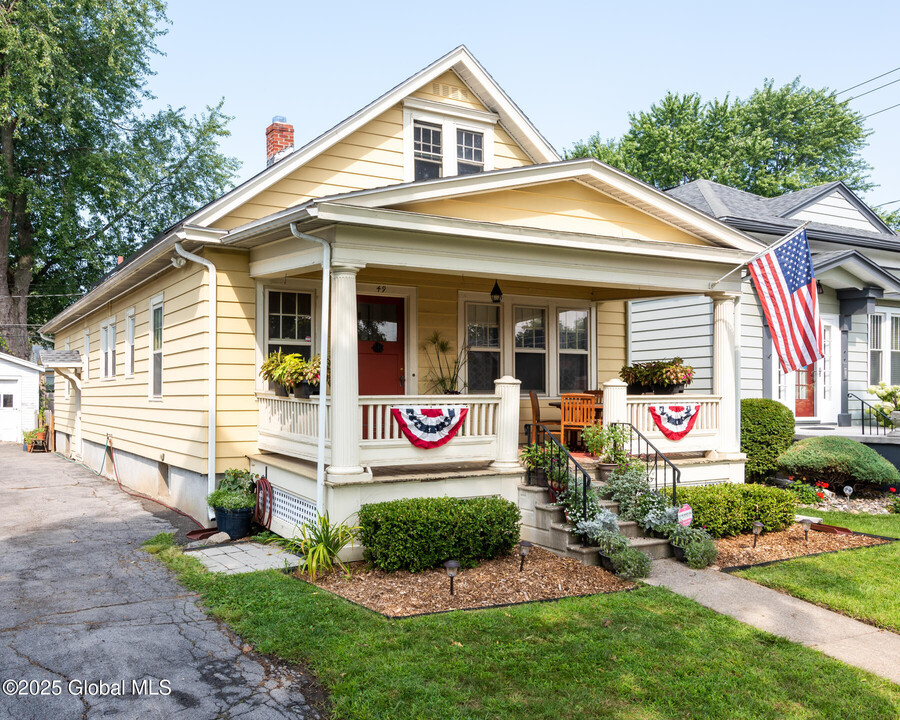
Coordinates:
838	461
420	533
726	510
767	430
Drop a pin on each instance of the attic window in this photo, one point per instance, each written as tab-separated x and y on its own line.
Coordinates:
469	152
443	141
427	146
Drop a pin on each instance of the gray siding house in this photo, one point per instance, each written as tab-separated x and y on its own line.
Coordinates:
857	263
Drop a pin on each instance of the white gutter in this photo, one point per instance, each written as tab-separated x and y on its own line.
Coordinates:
323	381
212	388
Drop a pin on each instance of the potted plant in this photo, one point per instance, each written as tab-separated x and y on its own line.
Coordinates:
607	443
234	501
268	370
291	372
28	439
309	376
638	377
671	376
446	367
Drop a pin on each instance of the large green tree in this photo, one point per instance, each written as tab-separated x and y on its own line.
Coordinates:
85	173
778	140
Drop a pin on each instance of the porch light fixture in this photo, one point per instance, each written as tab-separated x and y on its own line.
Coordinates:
805	523
452	567
757	529
524	548
496	293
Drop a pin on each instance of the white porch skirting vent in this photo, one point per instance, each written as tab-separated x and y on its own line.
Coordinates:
292	509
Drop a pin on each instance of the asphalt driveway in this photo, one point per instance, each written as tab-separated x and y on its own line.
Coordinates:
91	626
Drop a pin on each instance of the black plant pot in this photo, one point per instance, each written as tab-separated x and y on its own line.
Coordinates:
678	552
234	522
668	389
606	562
302	390
280	390
638	389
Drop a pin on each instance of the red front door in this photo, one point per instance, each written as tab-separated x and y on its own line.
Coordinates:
380	333
805	401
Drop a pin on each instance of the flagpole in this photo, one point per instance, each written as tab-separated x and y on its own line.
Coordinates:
774	245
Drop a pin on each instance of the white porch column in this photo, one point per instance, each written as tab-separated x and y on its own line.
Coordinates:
345	420
725	376
615	407
507	423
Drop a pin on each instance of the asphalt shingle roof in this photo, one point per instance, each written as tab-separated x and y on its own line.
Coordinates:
60	357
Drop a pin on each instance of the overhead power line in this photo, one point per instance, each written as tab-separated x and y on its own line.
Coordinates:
866	82
869	92
878	112
889	202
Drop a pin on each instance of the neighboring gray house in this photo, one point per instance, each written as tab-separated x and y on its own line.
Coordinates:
857	263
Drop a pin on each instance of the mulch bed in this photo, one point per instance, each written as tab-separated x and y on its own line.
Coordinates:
495	582
739	551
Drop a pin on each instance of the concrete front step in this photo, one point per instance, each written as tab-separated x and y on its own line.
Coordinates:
657	549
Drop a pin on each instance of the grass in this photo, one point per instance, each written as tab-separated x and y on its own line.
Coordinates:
641	655
859	583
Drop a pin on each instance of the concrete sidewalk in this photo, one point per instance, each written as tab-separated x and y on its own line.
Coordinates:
851	641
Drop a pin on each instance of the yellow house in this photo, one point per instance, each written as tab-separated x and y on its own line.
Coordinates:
399	222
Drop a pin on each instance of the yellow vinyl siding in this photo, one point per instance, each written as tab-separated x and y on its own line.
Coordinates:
612	338
368	158
568	206
174	429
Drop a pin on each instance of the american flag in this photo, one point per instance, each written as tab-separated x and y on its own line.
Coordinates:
786	286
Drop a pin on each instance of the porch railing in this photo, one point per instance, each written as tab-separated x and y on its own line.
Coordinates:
291	425
661	471
871	418
704	436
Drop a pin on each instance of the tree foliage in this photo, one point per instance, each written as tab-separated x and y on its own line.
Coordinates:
778	140
85	175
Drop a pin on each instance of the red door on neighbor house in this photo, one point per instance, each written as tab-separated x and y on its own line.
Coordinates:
380	333
805	399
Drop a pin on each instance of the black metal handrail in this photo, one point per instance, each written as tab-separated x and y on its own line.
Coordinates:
557	469
870	419
655	462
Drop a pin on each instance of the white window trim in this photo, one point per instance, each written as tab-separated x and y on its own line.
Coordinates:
410	329
885	323
155	301
553	306
107	352
451	119
86	361
130	329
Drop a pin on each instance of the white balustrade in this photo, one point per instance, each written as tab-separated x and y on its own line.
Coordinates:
704	436
291	425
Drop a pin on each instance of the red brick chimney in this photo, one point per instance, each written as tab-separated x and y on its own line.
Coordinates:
279	139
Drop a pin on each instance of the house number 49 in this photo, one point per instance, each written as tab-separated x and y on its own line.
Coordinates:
381	289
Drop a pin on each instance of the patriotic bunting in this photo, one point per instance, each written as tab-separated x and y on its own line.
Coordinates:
429	427
674	421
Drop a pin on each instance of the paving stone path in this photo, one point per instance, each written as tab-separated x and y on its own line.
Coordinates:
85	613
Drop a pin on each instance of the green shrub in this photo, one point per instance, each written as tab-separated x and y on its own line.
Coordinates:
767	430
235	491
699	549
838	461
805	494
419	533
631	564
626	485
726	510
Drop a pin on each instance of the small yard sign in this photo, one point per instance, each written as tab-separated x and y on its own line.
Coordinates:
685	515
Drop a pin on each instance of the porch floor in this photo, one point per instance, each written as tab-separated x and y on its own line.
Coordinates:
854	432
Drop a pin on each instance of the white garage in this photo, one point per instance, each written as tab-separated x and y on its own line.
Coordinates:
19	397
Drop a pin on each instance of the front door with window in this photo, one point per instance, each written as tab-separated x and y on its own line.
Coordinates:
805	395
813	392
381	347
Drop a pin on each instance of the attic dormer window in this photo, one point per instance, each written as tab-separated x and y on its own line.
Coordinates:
442	141
427	147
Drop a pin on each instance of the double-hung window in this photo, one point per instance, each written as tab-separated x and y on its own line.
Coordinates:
289	322
129	343
531	348
108	348
469	152
483	340
876	323
156	346
573	350
428	149
442	140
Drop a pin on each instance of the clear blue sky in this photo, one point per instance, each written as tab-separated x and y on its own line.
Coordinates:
575	68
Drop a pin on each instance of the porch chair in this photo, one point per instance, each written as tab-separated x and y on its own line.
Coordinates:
578	412
536	417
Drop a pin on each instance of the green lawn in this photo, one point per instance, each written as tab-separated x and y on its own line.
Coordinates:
859	583
641	655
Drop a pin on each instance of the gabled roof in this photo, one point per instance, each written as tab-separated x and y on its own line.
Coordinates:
591	172
461	61
854	262
19	361
751	212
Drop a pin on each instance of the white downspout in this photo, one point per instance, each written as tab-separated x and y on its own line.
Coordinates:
323	383
212	387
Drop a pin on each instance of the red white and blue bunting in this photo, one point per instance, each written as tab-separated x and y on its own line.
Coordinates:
674	421
429	427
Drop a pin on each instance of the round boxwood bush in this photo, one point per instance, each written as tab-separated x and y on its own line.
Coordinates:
726	509
420	533
839	461
767	430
